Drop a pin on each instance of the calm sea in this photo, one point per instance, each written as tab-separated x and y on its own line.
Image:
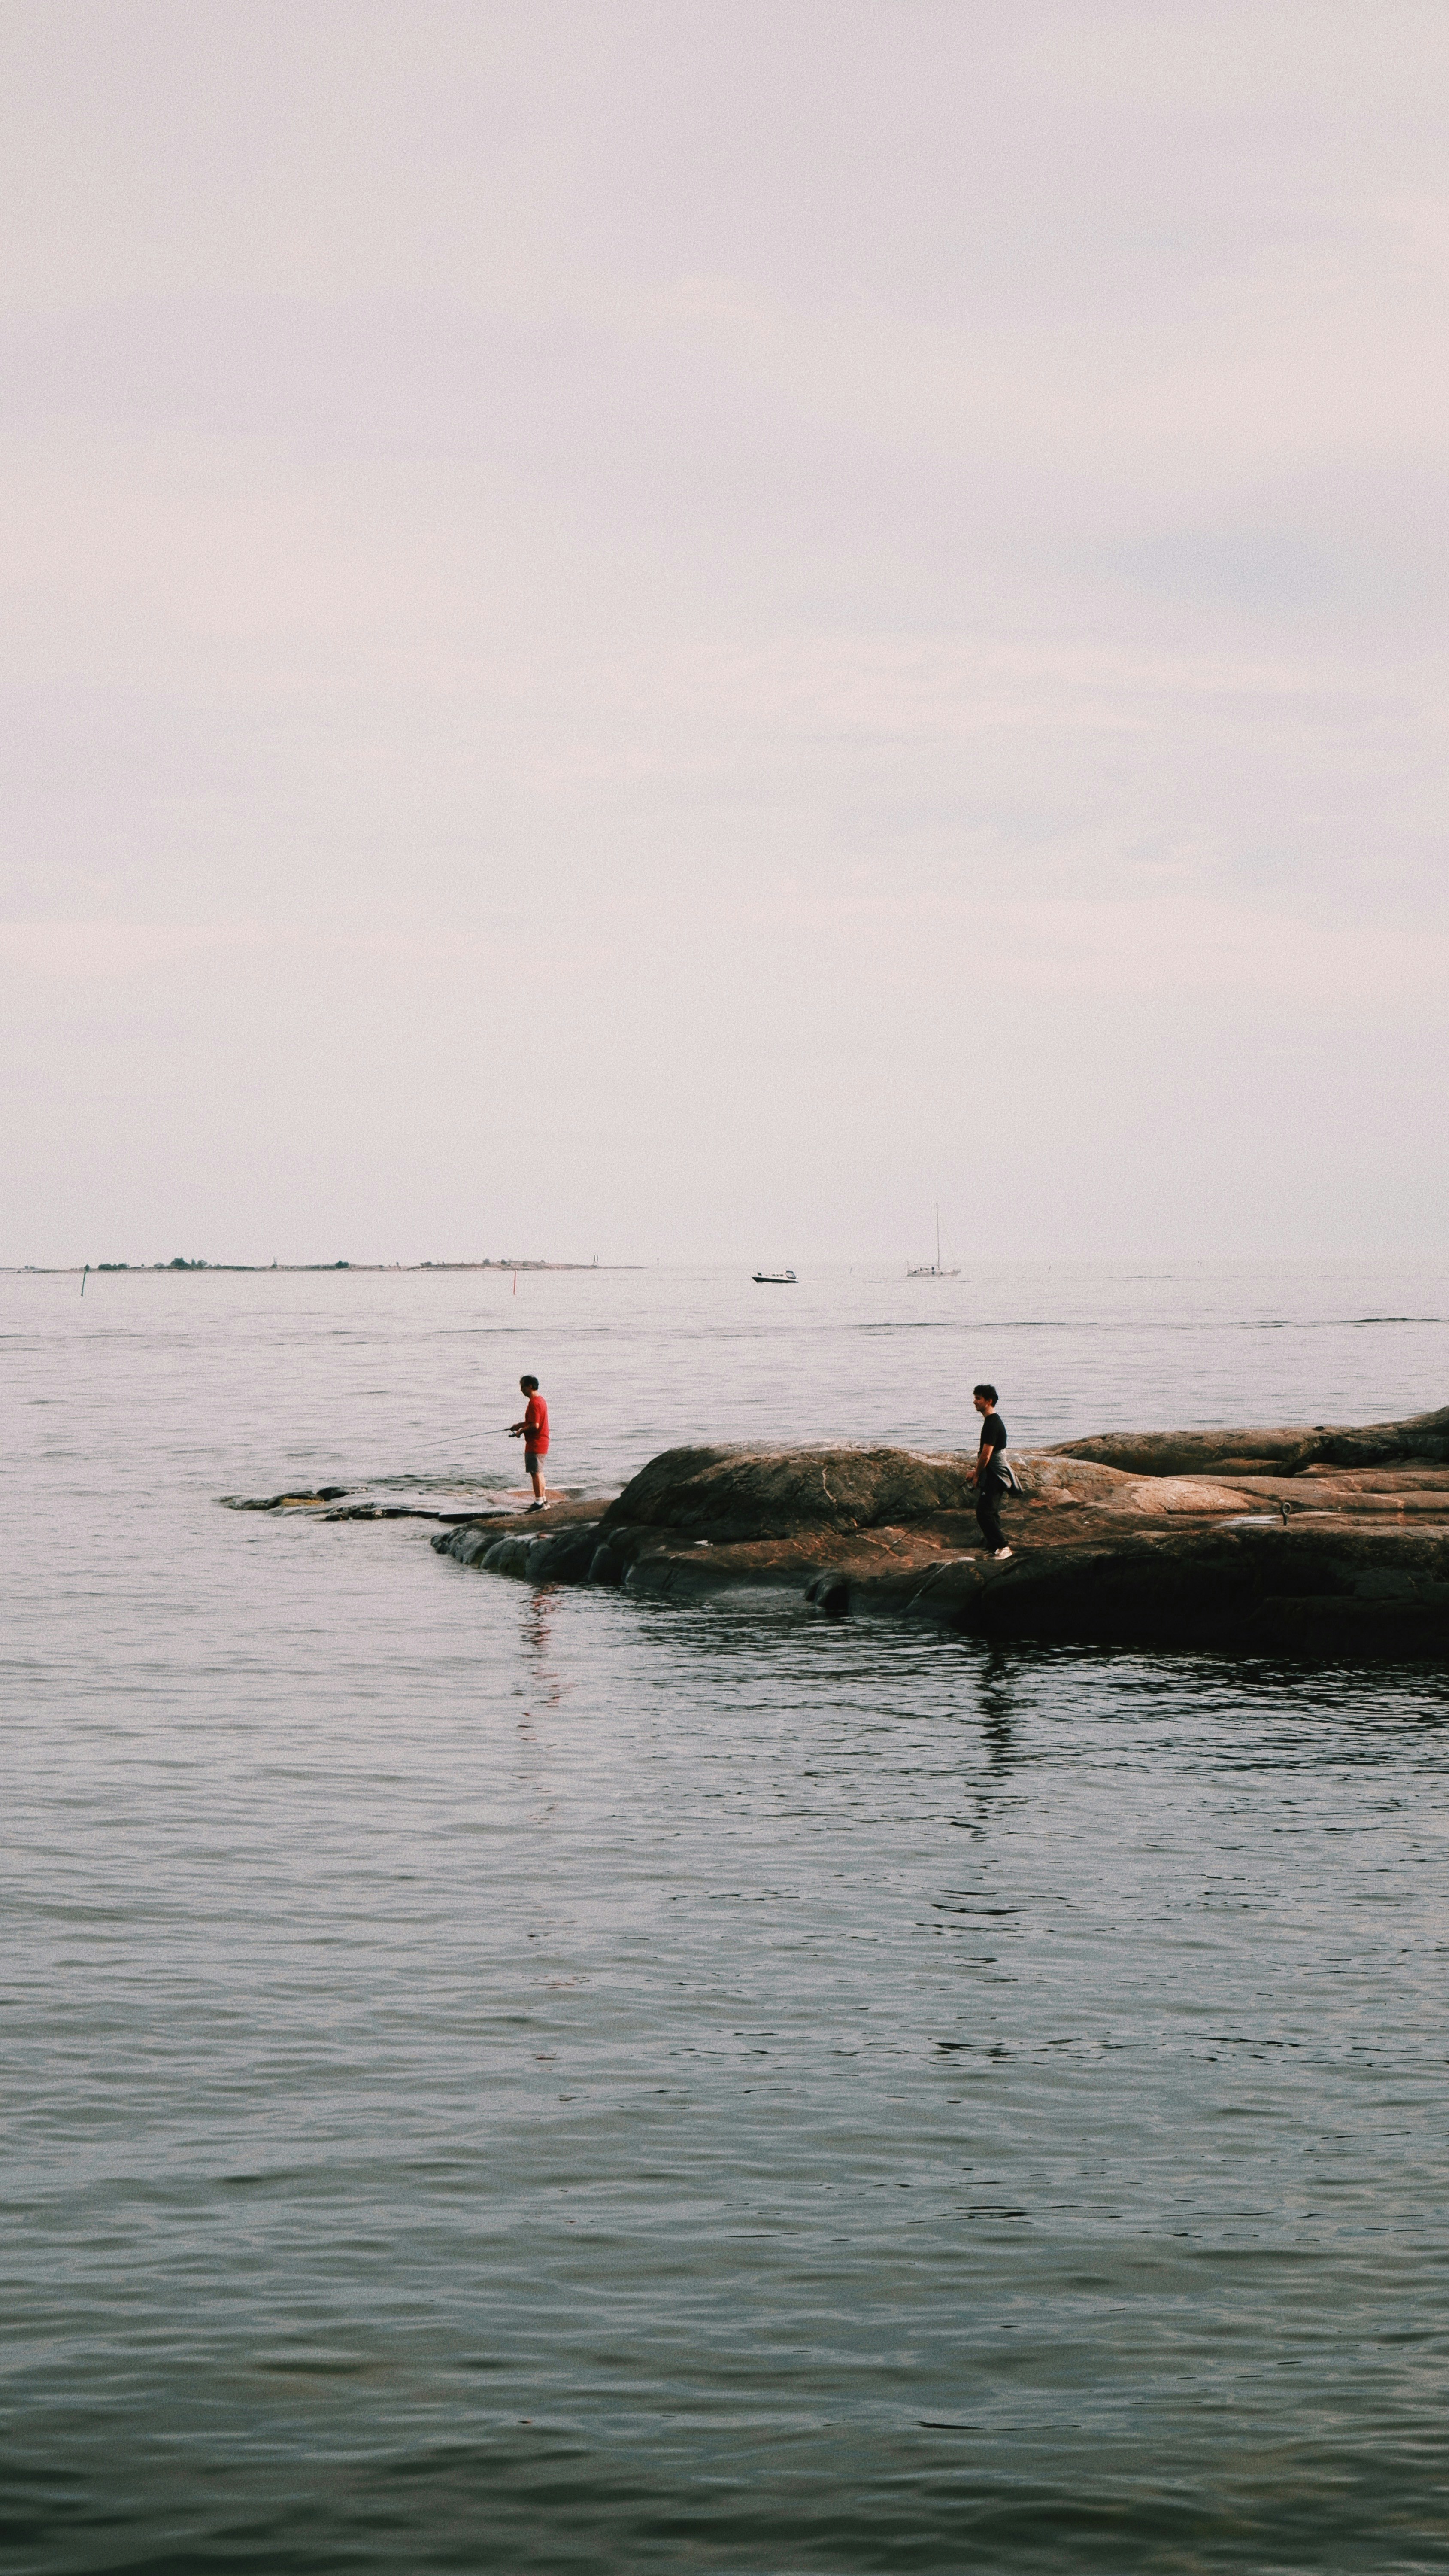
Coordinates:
541	2082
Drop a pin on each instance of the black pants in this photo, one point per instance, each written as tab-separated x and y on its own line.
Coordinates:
988	1505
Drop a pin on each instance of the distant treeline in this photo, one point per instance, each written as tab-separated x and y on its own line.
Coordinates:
180	1262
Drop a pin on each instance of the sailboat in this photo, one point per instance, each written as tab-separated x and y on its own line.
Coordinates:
934	1269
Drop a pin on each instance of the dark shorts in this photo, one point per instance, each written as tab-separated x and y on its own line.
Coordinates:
533	1458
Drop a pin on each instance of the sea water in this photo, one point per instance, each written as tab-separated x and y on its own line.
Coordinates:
538	2081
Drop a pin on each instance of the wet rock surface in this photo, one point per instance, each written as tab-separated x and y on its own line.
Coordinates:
1263	1549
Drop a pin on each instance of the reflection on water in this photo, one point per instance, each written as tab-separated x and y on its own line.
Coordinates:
996	1693
540	2081
536	1636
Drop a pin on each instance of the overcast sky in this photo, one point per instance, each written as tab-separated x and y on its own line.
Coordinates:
681	630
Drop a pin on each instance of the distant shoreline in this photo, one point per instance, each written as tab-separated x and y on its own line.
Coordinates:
266	1269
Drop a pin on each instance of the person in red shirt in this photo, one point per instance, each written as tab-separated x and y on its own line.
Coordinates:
533	1432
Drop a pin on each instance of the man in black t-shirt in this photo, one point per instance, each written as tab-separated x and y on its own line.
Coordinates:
987	1477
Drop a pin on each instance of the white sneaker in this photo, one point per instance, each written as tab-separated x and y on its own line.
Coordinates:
998	1554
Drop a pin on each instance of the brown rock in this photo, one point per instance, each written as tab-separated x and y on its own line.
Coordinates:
747	1493
1422	1437
1330	1557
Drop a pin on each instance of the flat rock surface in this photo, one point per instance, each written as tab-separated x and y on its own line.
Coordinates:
1420	1437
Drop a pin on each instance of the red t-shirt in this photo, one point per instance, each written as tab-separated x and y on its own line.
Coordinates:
535	1425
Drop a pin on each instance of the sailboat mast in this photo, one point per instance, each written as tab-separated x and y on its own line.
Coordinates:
938	1234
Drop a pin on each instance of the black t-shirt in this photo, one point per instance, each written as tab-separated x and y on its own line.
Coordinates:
993	1433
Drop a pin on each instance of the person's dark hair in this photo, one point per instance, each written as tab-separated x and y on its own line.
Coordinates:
529	1385
988	1391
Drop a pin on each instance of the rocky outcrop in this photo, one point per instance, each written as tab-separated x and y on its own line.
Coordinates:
1257	1588
748	1493
1045	1477
1423	1437
1326	1557
553	1556
730	1495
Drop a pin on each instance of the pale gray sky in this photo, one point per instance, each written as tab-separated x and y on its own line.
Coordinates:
679	630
